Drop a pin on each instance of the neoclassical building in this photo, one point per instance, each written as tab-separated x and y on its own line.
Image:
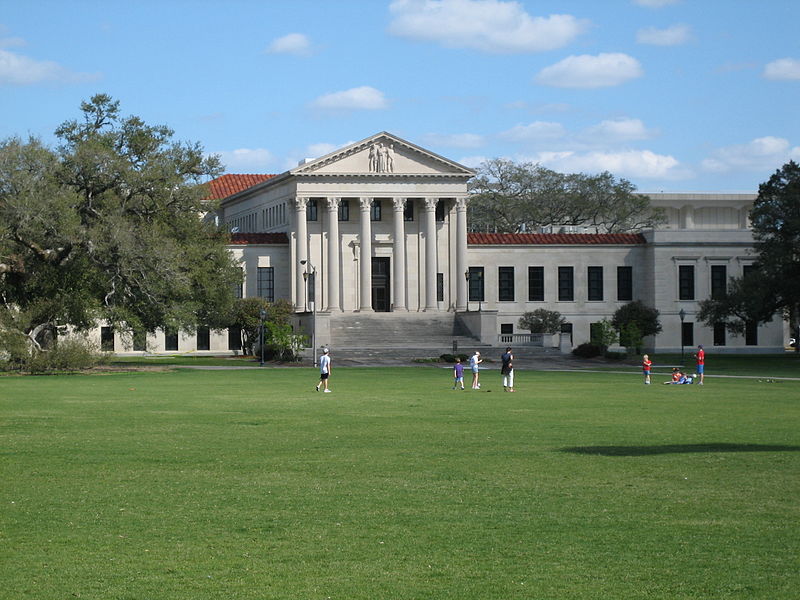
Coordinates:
376	234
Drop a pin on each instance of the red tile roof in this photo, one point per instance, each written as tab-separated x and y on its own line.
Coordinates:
241	239
233	183
554	238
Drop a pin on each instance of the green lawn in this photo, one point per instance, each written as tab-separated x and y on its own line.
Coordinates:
249	485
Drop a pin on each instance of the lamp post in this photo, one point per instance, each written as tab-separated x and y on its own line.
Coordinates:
307	264
682	315
262	317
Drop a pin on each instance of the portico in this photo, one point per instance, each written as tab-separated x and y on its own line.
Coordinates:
381	222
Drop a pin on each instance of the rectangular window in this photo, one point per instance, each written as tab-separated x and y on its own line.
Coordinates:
476	284
375	212
719	334
344	210
624	284
139	341
234	338
311	210
687	334
505	284
595	283
266	283
566	287
408	211
719	281
203	338
595	332
535	284
107	339
751	333
170	339
439	213
686	282
440	287
506	328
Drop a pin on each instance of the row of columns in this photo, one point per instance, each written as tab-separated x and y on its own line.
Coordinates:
333	275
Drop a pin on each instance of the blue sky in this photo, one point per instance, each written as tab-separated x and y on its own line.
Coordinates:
674	95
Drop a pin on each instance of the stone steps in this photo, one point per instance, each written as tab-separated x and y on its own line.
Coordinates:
392	330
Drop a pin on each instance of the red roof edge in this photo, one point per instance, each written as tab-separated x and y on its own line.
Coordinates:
555	238
243	239
228	185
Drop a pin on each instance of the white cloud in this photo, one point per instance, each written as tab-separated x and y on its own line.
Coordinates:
534	132
618	130
17	69
453	140
671	36
783	68
628	163
761	154
473	162
297	44
586	71
321	149
494	26
359	98
246	160
655	3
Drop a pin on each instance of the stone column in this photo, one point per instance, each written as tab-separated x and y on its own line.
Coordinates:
365	281
333	253
300	253
399	252
430	254
461	254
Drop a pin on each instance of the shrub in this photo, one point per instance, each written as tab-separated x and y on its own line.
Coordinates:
72	353
451	358
588	351
542	320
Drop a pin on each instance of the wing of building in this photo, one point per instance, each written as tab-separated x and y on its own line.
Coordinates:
370	244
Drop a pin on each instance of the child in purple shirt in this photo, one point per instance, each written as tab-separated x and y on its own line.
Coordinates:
458	374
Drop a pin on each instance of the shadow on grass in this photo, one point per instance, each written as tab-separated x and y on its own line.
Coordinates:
677	449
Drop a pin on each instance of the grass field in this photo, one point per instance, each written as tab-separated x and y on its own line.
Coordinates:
249	485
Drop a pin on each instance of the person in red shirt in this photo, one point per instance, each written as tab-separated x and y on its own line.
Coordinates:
700	358
646	363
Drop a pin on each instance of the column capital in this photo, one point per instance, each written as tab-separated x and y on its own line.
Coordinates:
301	202
333	202
430	203
365	203
399	203
461	203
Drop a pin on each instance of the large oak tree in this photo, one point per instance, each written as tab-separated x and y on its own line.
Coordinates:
108	226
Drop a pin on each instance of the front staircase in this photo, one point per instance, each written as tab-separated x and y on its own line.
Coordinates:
404	335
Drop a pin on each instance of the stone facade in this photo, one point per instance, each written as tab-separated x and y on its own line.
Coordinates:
381	226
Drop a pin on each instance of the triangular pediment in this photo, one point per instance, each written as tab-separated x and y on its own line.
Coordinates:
383	155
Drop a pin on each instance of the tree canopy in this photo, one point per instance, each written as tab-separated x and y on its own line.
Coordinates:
772	286
508	197
108	226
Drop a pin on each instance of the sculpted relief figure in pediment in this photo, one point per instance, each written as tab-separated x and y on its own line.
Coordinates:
381	158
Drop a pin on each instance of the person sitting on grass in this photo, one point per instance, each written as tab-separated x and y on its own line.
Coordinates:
679	378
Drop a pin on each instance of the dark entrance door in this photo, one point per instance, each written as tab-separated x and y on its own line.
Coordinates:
380	284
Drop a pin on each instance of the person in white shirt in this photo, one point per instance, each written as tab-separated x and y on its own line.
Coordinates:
474	361
324	370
